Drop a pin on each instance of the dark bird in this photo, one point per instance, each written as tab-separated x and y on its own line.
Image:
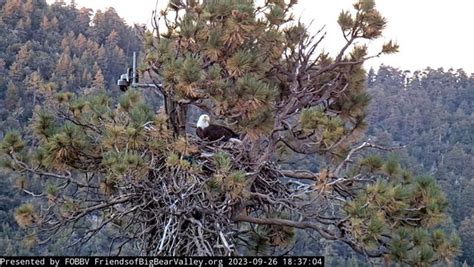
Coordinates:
213	132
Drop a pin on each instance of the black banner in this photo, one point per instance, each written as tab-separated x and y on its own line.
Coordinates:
160	261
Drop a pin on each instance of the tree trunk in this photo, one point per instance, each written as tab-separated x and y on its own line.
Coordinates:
177	114
182	112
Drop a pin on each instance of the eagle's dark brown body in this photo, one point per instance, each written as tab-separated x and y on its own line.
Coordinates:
213	132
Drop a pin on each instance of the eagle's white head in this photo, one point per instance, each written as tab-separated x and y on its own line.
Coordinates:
203	121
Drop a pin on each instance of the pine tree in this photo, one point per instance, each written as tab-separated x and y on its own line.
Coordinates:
80	43
45	24
64	65
98	80
86	78
256	69
17	72
12	96
102	57
112	40
54	24
466	232
3	73
33	85
11	12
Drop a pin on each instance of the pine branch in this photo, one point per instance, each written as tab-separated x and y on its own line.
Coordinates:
360	147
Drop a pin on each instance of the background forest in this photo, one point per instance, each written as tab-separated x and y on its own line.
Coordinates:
46	49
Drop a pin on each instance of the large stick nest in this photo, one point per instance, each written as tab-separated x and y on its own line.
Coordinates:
186	205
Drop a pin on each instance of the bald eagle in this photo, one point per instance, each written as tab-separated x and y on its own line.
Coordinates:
213	132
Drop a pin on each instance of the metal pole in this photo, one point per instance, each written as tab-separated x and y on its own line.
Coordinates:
134	82
134	74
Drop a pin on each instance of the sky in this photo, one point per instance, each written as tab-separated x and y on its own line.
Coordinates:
434	33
